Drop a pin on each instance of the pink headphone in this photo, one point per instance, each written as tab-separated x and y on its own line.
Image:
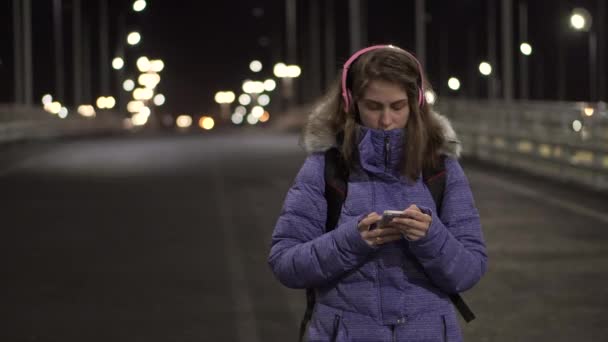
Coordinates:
346	94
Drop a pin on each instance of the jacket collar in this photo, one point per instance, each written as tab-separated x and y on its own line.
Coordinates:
380	151
319	137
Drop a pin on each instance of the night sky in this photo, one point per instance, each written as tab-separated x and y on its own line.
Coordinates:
208	48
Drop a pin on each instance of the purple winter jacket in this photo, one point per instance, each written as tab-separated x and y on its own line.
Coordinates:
380	293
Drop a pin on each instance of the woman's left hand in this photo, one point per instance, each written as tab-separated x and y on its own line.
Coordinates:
415	225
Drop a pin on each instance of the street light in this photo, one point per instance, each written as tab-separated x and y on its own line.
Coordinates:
580	20
118	63
485	68
525	49
139	5
133	38
224	99
454	83
255	66
287	73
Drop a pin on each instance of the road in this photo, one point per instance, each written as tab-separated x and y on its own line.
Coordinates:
165	238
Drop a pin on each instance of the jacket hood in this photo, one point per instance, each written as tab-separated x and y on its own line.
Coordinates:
319	137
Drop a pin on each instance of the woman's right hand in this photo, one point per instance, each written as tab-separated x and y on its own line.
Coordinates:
377	236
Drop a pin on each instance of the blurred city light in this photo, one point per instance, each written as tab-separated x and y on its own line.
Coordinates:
159	99
525	49
63	113
133	38
454	83
589	111
183	121
139	119
280	70
265	117
47	99
580	19
134	106
237	118
244	99
270	85
430	97
139	5
54	107
241	110
149	80
118	63
143	64
157	65
128	85
293	71
255	66
143	94
206	122
257	111
86	110
224	97
145	111
485	68
251	119
577	125
253	87
263	100
104	102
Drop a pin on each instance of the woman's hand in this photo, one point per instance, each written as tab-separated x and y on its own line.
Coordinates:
377	236
415	225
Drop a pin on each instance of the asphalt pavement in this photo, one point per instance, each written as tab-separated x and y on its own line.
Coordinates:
165	238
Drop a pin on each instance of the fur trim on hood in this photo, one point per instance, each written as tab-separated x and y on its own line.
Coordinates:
319	137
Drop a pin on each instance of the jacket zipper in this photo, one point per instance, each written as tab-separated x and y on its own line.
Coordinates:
387	152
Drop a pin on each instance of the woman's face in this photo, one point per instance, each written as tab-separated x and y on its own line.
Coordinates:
384	105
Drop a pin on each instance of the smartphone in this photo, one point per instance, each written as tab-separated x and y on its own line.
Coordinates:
389	215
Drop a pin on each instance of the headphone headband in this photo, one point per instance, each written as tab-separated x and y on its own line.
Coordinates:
346	94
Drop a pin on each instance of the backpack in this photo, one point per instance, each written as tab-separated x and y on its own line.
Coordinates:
336	182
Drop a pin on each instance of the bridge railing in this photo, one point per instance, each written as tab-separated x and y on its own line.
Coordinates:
20	123
564	140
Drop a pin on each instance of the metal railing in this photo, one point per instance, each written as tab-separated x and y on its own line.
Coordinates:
20	123
564	140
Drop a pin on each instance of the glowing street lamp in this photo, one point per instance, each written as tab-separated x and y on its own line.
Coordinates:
454	83
485	68
287	73
224	99
581	20
133	38
139	5
118	63
525	49
255	66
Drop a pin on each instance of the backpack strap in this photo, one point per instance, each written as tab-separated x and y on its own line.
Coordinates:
336	187
435	179
336	178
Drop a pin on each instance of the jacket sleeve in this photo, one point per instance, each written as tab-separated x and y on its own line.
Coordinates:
453	253
302	255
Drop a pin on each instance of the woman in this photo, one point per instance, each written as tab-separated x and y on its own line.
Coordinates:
391	282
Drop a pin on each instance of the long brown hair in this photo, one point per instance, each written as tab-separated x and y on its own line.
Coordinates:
424	137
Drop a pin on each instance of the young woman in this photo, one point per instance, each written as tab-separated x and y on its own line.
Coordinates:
376	282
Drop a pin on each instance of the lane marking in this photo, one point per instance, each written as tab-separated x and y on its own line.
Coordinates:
294	298
245	320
